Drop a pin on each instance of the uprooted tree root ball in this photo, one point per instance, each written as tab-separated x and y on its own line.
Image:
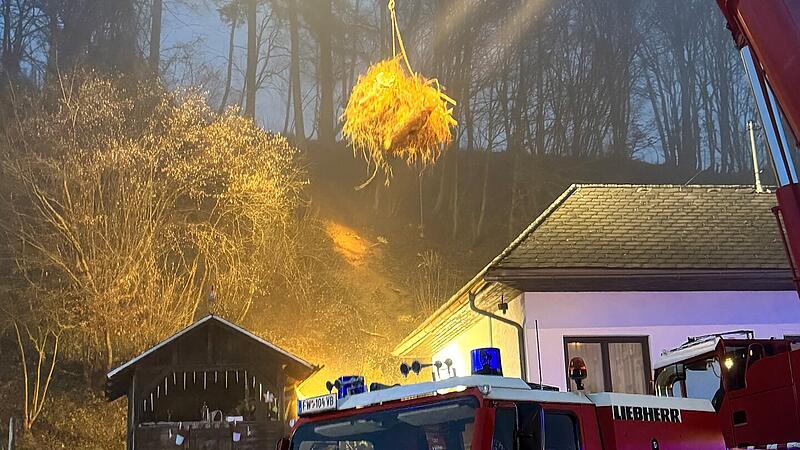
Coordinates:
393	114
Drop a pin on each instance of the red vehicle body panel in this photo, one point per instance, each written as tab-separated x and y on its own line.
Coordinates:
766	410
789	222
698	430
591	437
761	405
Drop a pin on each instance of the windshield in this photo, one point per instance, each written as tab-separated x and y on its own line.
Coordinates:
703	379
699	379
440	426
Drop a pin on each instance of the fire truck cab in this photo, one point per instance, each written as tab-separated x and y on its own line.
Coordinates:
491	412
752	384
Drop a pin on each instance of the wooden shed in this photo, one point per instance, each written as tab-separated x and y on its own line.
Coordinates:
212	385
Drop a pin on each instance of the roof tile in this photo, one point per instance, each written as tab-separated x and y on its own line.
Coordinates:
660	227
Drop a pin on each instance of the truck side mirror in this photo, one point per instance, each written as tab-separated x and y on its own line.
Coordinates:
577	371
754	353
282	444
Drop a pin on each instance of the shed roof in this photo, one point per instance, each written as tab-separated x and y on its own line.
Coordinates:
630	238
120	377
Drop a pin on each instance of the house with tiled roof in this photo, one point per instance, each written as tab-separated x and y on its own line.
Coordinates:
616	274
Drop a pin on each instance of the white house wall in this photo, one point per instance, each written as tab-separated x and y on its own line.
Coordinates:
668	318
502	336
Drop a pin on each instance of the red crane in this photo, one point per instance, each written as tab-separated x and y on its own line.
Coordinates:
767	34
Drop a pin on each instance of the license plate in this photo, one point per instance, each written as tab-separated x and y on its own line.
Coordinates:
316	404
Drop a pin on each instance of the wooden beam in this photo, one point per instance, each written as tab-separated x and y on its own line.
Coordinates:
132	408
281	391
210	344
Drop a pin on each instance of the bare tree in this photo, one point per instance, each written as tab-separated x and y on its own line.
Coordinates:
155	35
231	13
40	345
294	72
324	22
252	58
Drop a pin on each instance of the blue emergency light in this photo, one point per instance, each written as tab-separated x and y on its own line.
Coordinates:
486	361
349	385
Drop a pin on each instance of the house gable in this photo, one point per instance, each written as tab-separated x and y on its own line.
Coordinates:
618	238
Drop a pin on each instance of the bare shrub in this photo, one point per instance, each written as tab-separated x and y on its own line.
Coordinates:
131	204
433	283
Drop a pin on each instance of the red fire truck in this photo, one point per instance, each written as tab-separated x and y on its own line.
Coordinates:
755	399
491	412
753	384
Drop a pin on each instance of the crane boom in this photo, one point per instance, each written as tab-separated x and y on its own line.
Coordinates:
767	34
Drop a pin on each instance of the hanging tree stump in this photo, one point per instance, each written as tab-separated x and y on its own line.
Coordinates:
394	113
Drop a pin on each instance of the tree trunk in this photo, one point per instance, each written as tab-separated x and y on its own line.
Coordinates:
484	196
383	27
325	75
109	352
54	38
376	199
516	140
294	73
252	59
229	71
538	147
455	193
440	197
490	135
725	129
349	74
6	34
288	110
466	89
464	81
421	205
155	36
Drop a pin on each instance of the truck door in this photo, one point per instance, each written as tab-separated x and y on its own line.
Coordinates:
557	427
760	406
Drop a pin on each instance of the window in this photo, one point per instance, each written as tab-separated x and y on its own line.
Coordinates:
504	429
734	359
559	429
615	364
560	432
794	340
443	425
702	379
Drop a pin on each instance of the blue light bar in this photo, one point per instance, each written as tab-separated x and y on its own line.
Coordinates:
486	361
350	385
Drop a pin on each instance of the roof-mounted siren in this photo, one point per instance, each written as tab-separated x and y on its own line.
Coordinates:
486	361
347	385
416	367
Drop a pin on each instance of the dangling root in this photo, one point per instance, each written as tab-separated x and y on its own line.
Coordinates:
366	183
